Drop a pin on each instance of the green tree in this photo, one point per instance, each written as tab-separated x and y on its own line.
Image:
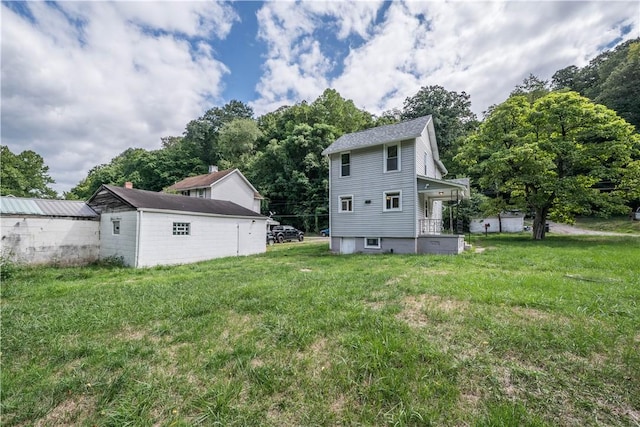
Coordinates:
531	88
204	131
25	175
452	118
621	90
293	173
549	157
236	142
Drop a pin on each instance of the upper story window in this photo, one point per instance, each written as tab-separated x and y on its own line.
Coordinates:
345	204
181	228
392	200
345	164
392	158
185	192
201	193
426	164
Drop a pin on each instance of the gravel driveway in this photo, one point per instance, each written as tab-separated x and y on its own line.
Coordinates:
557	228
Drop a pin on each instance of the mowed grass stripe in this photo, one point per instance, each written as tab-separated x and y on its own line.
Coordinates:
524	333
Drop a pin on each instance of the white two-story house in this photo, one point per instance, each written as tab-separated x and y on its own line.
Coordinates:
386	190
229	184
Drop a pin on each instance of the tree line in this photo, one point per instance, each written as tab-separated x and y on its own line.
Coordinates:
557	148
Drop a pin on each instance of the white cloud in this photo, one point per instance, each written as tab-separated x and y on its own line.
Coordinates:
86	80
482	48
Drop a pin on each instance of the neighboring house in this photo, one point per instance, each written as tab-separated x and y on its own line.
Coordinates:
229	184
146	228
42	231
386	191
506	222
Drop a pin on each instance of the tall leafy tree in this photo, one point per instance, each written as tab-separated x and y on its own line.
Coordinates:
236	142
452	118
204	131
25	175
293	173
550	156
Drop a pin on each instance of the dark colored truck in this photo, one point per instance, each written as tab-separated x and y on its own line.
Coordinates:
286	233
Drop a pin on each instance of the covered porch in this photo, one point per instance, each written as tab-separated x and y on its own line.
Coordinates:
432	195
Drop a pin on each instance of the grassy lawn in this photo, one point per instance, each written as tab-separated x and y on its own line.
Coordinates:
620	224
524	333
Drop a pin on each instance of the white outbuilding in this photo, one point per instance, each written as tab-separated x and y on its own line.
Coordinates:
44	231
146	228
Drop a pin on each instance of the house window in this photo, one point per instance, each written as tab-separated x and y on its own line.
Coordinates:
345	160
115	227
391	158
201	193
393	201
185	192
426	162
345	204
181	228
372	243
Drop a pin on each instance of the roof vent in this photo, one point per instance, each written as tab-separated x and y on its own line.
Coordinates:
128	184
213	168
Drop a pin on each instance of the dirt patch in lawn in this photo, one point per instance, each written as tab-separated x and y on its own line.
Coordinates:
69	411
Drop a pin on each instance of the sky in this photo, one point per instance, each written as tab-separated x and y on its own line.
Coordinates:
83	81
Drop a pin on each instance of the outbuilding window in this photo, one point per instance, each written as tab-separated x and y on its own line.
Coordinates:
181	228
115	227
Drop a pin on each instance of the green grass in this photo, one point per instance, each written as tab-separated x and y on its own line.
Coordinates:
619	224
525	333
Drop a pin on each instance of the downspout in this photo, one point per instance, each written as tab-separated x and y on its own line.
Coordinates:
138	232
237	239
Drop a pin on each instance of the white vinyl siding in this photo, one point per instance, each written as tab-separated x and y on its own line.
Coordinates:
122	244
233	188
367	184
210	237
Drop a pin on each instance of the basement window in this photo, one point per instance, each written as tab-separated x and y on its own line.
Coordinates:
181	228
372	243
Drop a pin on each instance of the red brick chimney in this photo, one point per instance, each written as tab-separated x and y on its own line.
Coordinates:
128	184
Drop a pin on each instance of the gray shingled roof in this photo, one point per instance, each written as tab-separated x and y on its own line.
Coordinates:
379	135
141	199
45	207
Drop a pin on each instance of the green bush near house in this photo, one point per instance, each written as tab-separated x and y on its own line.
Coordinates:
523	333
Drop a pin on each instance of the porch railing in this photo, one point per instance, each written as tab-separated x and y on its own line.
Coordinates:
430	226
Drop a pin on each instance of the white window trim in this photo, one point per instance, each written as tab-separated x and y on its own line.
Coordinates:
340	203
384	201
349	153
366	246
384	156
113	227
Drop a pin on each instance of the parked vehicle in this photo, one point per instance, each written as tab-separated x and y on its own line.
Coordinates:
270	238
287	232
325	232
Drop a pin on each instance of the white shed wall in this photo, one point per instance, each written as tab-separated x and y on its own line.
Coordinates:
119	245
509	225
63	241
211	237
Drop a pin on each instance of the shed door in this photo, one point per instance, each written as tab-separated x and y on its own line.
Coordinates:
347	245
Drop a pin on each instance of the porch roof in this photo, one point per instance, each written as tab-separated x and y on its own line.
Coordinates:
443	189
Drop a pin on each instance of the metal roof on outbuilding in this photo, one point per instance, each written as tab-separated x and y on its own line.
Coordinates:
45	207
379	135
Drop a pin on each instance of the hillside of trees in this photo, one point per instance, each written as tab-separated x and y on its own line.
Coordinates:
280	152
